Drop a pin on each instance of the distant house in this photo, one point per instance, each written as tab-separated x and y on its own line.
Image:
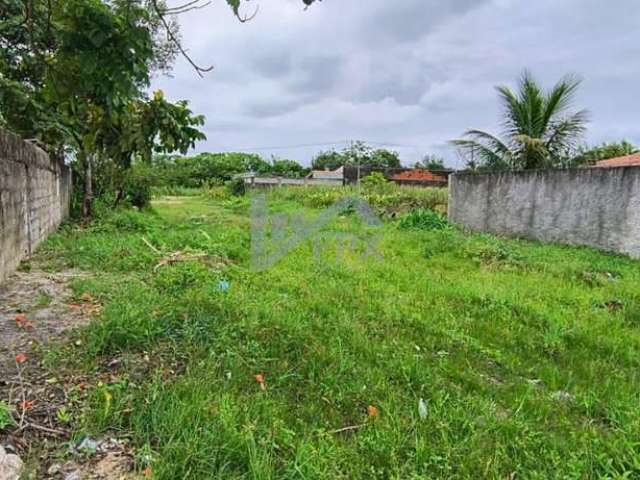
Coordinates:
328	175
353	174
421	178
627	161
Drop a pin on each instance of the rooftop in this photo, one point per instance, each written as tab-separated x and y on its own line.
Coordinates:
628	161
419	176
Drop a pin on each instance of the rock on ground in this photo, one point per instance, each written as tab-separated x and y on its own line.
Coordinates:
10	466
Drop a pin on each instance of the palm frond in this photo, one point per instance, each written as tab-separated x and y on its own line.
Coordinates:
482	147
514	114
490	140
532	100
564	135
560	98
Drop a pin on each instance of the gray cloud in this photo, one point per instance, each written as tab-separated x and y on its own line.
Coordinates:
317	74
275	64
410	72
411	20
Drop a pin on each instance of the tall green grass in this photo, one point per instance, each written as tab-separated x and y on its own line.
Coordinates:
524	356
387	201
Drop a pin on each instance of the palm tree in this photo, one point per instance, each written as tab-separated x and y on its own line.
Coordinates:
539	129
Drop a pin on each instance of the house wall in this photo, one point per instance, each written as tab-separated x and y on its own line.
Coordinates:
598	207
258	182
35	193
420	183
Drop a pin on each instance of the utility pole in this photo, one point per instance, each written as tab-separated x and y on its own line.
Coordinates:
358	170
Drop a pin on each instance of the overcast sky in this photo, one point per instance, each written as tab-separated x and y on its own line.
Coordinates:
409	73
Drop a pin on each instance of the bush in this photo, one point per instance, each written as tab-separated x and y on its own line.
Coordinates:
137	185
375	181
236	187
423	219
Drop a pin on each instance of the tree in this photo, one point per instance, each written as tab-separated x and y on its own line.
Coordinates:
591	155
287	168
330	160
540	131
73	76
384	158
143	128
358	153
431	162
55	53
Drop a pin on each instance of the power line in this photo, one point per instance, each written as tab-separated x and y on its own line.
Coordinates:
288	147
323	144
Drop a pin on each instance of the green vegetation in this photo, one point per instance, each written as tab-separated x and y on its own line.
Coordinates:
452	356
358	153
423	219
386	199
208	169
431	162
539	128
75	74
6	419
591	155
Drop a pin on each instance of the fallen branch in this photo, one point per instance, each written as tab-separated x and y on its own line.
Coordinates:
148	243
177	257
348	429
41	428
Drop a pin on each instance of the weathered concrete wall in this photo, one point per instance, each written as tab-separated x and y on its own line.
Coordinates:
599	207
35	191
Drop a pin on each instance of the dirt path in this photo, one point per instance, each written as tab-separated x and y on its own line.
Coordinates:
36	309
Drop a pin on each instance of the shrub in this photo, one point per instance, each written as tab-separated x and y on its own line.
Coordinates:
375	181
423	219
236	187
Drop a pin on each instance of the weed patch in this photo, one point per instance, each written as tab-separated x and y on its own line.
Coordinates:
422	219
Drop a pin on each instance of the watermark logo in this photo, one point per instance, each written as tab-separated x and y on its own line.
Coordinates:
274	236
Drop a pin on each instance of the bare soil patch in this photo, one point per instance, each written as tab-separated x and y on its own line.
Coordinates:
37	309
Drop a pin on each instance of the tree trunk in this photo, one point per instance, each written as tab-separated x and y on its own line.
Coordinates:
87	201
119	197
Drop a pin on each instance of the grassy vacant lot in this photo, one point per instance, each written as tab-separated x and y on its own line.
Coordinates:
526	356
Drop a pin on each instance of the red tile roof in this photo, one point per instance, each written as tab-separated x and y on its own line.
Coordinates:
628	161
419	176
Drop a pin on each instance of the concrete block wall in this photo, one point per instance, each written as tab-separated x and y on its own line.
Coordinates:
35	193
598	207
